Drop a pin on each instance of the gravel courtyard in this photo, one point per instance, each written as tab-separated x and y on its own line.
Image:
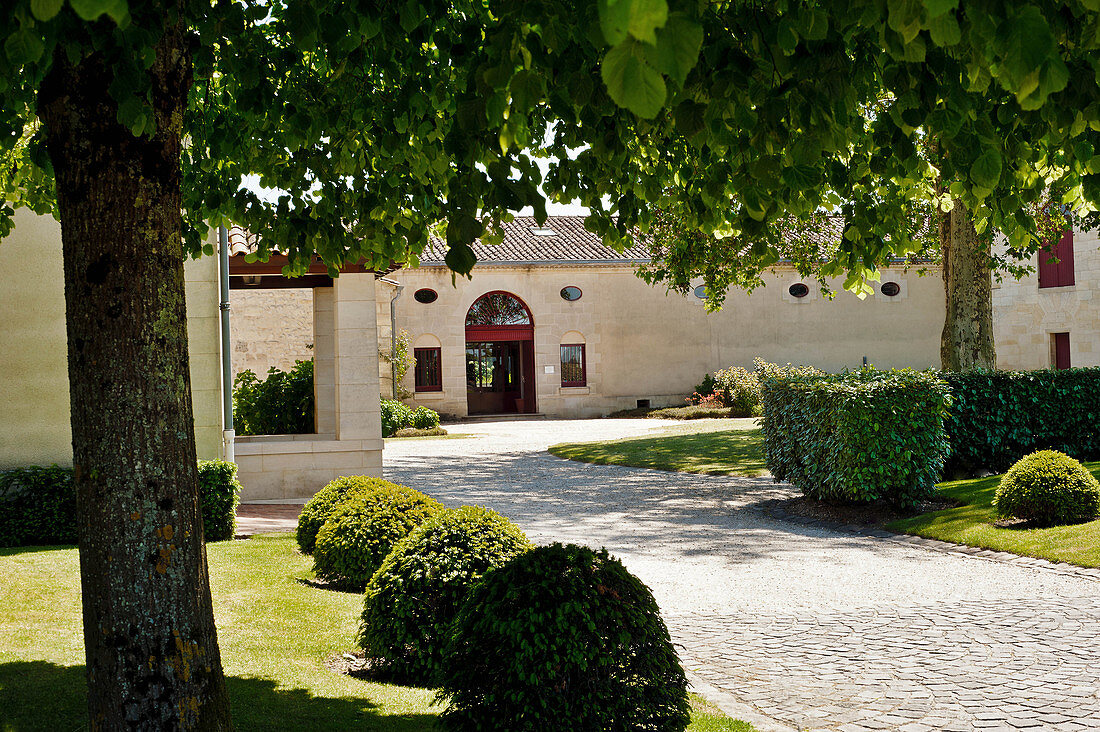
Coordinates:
793	627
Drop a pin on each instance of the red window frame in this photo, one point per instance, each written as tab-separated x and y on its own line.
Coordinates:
428	372
584	365
1060	273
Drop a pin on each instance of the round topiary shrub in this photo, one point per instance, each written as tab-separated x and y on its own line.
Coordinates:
1048	488
363	529
414	596
562	637
319	508
425	419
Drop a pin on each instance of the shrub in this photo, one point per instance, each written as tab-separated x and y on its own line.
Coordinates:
562	637
739	390
856	437
424	419
281	404
414	596
706	388
999	416
219	491
413	432
363	529
1048	488
37	506
395	416
324	502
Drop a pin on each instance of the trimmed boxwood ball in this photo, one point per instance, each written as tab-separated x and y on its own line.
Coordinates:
414	596
1048	488
363	529
425	419
562	637
324	502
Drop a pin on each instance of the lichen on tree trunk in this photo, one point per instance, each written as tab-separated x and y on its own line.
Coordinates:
967	339
151	647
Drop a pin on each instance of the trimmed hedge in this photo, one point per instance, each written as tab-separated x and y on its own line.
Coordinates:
414	596
364	528
324	503
282	403
1048	488
38	505
999	416
856	437
562	637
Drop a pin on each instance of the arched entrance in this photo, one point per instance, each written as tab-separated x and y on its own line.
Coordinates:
500	355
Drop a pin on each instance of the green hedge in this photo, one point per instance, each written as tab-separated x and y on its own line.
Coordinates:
397	416
999	416
38	505
282	403
856	437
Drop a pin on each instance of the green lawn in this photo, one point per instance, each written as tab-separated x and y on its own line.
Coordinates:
275	633
713	446
972	524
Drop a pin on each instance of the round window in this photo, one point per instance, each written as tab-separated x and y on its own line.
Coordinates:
890	289
570	293
426	296
701	292
799	289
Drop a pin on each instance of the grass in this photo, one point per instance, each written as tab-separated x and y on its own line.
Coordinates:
713	447
275	634
971	523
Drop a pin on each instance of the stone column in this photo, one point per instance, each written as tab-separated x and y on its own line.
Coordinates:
355	331
324	361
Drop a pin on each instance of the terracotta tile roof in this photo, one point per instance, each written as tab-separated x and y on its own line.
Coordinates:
570	242
241	241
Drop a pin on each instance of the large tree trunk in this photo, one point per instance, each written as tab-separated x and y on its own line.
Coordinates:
152	653
967	340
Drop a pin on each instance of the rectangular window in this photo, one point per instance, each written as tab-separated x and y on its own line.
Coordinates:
1059	350
429	371
1060	273
573	366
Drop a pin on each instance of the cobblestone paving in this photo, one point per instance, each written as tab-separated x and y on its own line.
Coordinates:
815	629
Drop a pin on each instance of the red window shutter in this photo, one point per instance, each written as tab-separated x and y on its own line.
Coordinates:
1061	350
1065	264
1058	274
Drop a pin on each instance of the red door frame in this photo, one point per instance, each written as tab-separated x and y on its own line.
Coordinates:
525	334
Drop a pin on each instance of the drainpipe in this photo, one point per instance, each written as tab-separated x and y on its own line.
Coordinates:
228	434
393	333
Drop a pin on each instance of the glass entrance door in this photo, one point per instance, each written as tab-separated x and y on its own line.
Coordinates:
494	381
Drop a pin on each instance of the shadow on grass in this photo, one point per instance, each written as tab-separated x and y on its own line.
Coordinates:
38	695
11	551
729	452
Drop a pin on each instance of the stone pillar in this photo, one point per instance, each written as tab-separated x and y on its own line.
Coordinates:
324	362
355	331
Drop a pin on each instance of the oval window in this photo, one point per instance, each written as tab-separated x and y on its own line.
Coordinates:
570	293
890	289
701	292
426	296
799	289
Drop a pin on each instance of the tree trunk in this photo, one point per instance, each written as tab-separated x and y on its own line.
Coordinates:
151	646
967	340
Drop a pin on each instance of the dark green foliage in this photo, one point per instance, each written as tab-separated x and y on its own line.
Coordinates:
424	419
37	506
999	416
856	437
706	387
363	528
739	389
395	416
281	404
562	637
220	492
324	502
414	596
1048	488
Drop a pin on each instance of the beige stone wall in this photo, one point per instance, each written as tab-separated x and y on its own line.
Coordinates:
34	390
1024	316
270	328
642	343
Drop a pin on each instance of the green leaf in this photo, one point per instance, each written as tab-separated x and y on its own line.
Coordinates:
460	257
637	18
945	30
936	8
1023	44
46	9
905	17
631	82
92	9
986	171
23	47
786	36
678	45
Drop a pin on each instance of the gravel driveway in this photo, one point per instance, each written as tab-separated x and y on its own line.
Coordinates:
793	627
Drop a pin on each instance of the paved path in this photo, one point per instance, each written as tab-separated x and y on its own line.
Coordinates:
811	628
